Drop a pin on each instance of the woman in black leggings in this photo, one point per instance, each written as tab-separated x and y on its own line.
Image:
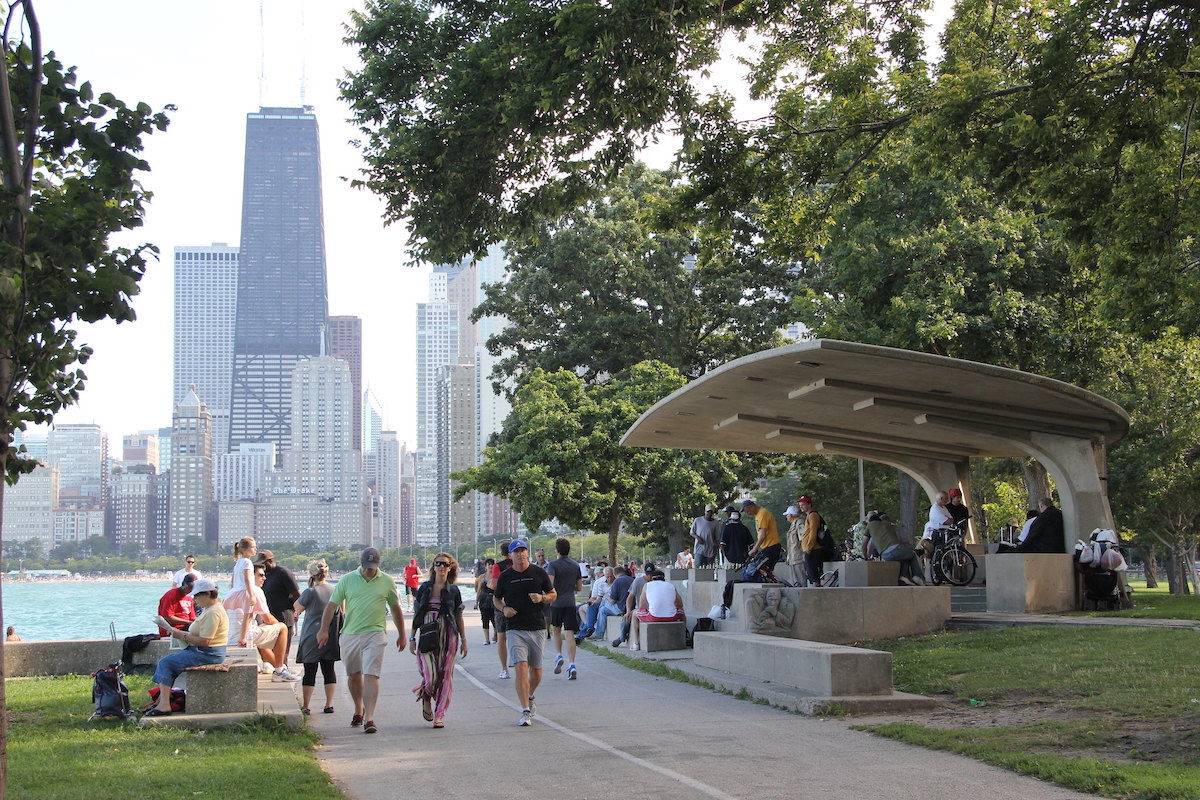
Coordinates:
312	602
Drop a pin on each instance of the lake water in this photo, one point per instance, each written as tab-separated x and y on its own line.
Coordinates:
98	609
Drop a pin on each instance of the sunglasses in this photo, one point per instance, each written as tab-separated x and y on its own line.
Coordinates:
441	563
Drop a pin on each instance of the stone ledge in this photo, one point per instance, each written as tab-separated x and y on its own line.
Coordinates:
816	668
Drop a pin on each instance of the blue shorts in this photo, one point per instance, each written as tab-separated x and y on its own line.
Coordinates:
170	667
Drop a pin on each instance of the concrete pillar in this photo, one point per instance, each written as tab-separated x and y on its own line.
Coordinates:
1080	471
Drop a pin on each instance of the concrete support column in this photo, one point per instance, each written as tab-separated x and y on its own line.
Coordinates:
1080	472
937	475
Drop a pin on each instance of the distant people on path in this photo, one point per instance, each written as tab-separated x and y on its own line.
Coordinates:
412	579
706	536
10	635
439	602
484	603
660	602
567	577
189	568
591	610
281	590
736	539
176	606
883	537
367	595
685	560
311	604
268	634
499	621
521	591
768	534
810	543
205	640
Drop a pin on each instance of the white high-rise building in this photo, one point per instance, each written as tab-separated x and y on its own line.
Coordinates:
81	454
243	475
387	490
206	283
29	507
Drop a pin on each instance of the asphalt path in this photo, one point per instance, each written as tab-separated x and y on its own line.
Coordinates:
616	732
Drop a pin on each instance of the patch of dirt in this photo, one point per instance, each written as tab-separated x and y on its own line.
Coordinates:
1130	741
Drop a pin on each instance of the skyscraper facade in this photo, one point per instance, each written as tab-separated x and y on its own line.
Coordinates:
345	342
191	473
206	281
387	490
80	451
281	295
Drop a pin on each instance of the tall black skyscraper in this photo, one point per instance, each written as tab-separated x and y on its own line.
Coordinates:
281	302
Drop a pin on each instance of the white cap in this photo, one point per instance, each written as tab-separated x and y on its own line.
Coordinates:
792	511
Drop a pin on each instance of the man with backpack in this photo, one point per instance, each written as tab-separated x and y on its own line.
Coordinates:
810	541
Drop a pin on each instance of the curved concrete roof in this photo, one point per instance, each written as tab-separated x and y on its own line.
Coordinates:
877	403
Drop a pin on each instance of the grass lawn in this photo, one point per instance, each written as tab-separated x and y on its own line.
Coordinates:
1110	711
54	752
1155	604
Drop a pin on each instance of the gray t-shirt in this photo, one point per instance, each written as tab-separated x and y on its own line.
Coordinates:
314	599
565	573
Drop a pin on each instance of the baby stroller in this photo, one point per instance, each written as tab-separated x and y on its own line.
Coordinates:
1099	563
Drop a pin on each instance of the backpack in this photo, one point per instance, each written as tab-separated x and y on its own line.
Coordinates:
826	543
702	624
178	699
109	693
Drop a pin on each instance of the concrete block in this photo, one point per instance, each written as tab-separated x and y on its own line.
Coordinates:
701	574
699	598
676	573
816	667
723	574
218	692
870	573
1031	583
64	657
613	625
792	573
657	636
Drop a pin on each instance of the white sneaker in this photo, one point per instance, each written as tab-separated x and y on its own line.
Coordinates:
526	719
532	707
503	674
264	668
907	580
634	646
284	674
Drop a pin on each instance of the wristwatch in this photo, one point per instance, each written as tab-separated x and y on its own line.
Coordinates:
412	638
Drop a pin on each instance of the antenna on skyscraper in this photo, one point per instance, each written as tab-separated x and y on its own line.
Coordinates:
262	52
303	57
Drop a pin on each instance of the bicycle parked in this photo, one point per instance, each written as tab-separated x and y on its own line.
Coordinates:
951	562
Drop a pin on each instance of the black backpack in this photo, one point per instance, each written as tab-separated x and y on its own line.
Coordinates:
826	543
109	693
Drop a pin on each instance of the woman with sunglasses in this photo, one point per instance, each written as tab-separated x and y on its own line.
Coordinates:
438	601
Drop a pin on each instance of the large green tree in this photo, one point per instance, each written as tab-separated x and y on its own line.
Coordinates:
68	160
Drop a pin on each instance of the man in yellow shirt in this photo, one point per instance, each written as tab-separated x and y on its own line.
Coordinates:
768	534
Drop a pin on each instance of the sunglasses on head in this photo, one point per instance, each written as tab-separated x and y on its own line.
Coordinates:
441	563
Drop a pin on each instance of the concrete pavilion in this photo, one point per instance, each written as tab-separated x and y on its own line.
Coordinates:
924	414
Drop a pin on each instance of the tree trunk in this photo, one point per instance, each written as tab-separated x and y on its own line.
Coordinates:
1150	566
1037	481
614	530
910	518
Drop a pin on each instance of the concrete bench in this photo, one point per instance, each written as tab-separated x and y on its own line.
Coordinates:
221	688
654	636
870	573
816	667
1031	583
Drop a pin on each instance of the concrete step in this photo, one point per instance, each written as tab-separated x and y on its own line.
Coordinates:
968	599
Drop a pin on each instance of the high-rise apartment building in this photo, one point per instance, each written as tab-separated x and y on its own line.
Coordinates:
137	505
80	452
387	490
281	296
244	475
206	291
29	507
140	449
345	342
457	450
191	472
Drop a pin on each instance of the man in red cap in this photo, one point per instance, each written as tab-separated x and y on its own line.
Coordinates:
957	509
814	562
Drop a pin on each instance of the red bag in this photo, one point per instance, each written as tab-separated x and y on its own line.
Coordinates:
178	698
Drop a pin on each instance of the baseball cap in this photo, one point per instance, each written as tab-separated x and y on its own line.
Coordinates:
370	557
264	556
804	499
729	509
710	507
749	501
792	511
955	493
202	585
517	544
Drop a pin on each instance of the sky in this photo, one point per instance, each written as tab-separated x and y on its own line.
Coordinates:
217	63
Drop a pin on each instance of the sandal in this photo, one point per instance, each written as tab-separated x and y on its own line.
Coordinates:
327	710
305	711
426	709
155	712
437	723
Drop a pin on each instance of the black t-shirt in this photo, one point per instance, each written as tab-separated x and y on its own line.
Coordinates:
281	589
566	574
958	512
514	589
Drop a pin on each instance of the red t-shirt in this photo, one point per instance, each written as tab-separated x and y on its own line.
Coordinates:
175	603
412	576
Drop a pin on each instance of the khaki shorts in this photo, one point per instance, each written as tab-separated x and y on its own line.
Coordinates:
268	634
363	652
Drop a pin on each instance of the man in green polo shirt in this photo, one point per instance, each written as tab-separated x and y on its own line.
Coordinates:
367	594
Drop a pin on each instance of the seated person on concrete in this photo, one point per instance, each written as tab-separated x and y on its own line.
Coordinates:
882	535
267	634
205	640
614	604
631	601
176	606
1045	533
659	603
591	609
1030	516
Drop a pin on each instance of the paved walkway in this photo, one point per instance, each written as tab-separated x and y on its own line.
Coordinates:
615	732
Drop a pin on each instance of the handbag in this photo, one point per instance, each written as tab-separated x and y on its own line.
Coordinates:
427	639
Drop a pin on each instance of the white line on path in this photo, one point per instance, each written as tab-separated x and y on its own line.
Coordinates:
692	783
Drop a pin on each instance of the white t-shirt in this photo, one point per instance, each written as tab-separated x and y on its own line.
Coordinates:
238	584
660	599
177	578
939	517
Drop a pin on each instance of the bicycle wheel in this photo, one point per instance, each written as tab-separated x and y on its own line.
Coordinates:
957	566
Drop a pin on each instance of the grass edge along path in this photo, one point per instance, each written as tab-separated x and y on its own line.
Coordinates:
54	752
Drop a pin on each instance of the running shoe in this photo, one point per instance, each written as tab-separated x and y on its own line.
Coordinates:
571	673
532	707
558	665
369	727
526	719
634	646
356	720
284	674
907	580
503	674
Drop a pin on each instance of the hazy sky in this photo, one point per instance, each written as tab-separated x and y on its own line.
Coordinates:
206	58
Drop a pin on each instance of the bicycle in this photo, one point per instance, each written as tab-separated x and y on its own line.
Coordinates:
951	562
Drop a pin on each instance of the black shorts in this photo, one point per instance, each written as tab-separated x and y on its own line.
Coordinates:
410	590
563	617
499	621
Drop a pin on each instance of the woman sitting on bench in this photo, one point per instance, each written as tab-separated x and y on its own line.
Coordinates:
205	640
659	603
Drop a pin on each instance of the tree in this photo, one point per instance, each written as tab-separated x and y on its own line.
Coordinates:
602	288
67	160
558	455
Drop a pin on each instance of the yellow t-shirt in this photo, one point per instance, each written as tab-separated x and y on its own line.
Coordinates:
212	624
768	531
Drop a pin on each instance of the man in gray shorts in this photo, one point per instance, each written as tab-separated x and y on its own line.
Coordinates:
368	593
521	591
